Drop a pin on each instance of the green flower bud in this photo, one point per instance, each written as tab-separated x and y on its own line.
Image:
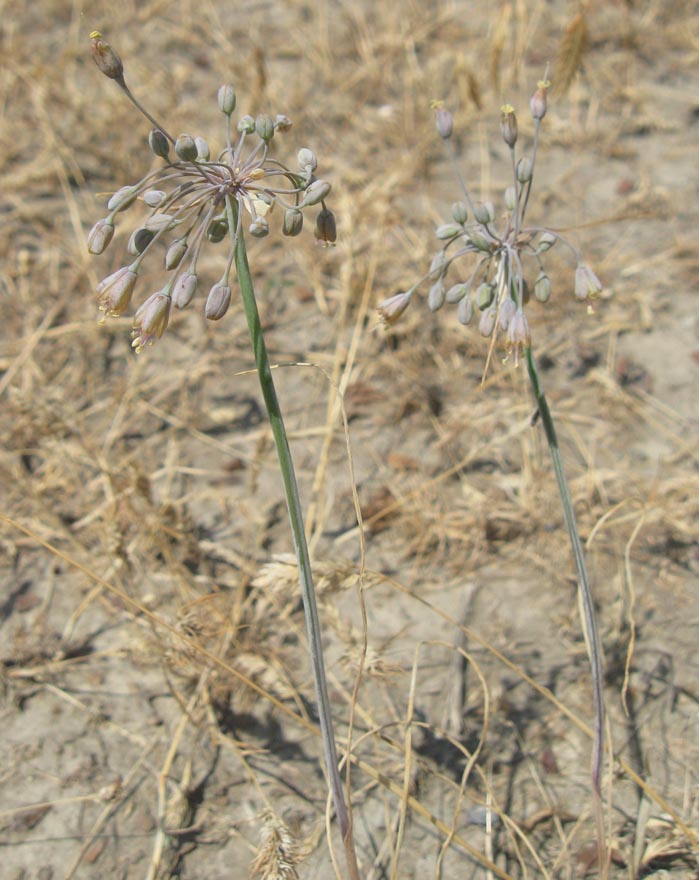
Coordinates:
546	242
158	143
307	160
217	230
246	125
99	236
542	288
293	222
480	241
264	126
484	295
484	212
457	292
186	148
447	231
217	302
226	99
459	212
510	198
122	198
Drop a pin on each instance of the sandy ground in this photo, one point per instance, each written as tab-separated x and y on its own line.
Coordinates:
144	568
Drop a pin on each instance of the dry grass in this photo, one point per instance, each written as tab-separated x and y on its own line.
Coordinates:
157	708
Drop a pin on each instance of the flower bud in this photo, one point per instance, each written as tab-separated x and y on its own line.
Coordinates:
325	229
246	125
459	212
436	296
392	308
484	212
447	231
542	288
479	241
122	198
546	242
307	159
525	169
486	325
217	230
438	263
510	198
282	122
203	151
586	283
114	293
154	197
259	227
139	240
293	222
457	292
174	254
183	291
106	58
464	312
158	143
315	193
99	236
264	126
186	148
217	302
508	125
226	99
160	222
445	123
484	295
538	101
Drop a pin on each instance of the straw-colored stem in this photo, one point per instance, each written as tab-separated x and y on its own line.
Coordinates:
286	467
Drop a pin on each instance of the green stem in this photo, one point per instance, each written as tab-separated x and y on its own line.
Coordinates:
286	467
590	619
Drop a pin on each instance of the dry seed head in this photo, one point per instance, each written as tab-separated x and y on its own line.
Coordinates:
325	229
445	123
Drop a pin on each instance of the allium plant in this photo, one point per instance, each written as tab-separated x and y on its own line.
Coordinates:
499	248
194	200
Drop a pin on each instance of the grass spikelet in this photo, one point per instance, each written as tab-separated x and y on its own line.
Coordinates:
278	853
570	54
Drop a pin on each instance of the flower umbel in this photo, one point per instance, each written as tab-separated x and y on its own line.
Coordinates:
189	199
499	246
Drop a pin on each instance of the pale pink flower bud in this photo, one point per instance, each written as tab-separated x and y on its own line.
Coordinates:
464	312
486	325
508	125
392	308
174	254
316	192
100	235
507	313
518	334
445	123
538	102
217	302
106	58
115	291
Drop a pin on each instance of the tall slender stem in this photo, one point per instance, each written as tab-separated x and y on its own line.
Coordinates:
590	618
286	467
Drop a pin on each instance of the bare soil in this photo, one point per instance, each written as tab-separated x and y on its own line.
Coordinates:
145	576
